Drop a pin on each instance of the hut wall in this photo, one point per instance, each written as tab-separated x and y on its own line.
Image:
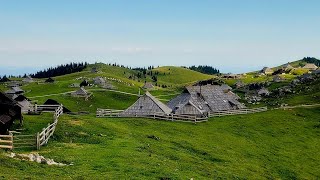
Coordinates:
188	110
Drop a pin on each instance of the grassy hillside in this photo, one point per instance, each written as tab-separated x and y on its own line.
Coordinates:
271	145
176	76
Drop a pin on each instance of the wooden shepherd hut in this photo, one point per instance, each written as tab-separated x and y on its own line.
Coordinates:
28	79
310	67
9	111
99	81
80	92
148	85
267	71
199	100
146	105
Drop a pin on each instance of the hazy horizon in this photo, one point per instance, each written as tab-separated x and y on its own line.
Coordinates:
233	36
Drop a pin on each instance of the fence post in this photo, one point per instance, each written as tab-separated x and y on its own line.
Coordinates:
35	108
38	141
11	139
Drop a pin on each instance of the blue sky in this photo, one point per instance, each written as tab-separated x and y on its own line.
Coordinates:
234	36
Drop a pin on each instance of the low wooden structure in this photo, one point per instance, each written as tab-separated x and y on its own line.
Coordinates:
310	67
146	105
81	93
148	86
200	100
266	71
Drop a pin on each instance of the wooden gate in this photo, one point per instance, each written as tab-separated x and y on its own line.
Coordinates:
24	141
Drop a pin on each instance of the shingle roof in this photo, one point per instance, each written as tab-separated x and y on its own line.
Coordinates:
267	70
310	66
148	85
162	106
207	98
5	118
81	91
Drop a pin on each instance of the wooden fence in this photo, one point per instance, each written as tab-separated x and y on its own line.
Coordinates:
41	138
6	141
108	112
237	112
161	116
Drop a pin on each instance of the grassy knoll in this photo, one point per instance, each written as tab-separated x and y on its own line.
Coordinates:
178	76
276	144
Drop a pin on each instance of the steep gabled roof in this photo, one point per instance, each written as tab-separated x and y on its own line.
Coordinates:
287	66
207	98
162	106
81	91
267	70
310	66
148	85
146	105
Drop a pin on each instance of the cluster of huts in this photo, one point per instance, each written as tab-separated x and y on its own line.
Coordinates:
287	68
195	100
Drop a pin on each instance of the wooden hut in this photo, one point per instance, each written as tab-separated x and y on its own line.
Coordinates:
99	81
196	100
263	92
287	67
148	85
80	92
94	70
266	71
310	67
146	105
28	79
231	76
278	78
24	103
15	90
9	111
49	80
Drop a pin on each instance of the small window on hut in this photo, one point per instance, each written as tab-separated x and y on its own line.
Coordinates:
141	107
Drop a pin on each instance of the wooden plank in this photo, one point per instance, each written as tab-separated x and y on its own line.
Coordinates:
5	146
5	141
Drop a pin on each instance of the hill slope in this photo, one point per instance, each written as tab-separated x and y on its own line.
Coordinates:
271	145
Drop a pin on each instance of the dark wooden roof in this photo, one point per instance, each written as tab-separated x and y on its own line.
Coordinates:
4	119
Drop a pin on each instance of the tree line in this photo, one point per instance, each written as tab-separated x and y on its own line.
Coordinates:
312	60
62	69
205	69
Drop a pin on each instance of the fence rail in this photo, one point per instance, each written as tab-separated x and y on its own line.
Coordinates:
108	112
43	137
176	117
237	112
161	116
6	141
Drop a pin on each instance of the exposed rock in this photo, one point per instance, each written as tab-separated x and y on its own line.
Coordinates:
35	157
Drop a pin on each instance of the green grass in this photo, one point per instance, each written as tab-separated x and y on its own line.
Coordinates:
272	145
178	76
